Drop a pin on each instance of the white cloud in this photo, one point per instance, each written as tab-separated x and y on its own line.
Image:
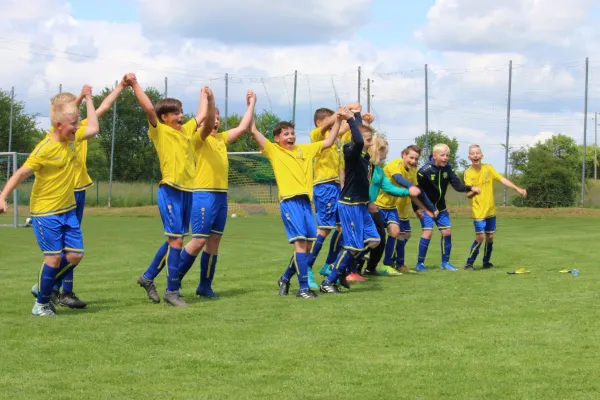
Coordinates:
255	21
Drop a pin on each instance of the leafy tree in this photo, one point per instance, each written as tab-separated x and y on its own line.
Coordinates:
25	133
436	137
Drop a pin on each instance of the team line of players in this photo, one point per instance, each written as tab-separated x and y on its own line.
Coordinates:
193	190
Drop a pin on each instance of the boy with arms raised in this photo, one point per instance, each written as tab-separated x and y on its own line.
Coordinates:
433	180
82	183
172	140
293	168
483	205
358	227
209	204
56	166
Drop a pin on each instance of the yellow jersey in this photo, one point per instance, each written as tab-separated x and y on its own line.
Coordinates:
212	165
483	204
56	167
83	180
293	169
175	153
385	200
404	204
329	162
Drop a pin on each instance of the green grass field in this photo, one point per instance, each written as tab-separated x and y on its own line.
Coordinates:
478	335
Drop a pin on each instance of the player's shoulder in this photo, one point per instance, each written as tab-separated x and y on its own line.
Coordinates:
43	147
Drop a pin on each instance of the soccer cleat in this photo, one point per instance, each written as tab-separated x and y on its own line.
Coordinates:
307	294
206	292
388	271
71	301
488	265
448	267
329	288
43	310
174	298
311	280
420	267
325	270
371	272
284	287
343	281
53	297
148	284
405	270
469	267
354	277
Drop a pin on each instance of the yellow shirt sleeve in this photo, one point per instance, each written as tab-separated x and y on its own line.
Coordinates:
311	150
35	161
190	127
268	149
80	133
154	130
316	135
225	136
495	173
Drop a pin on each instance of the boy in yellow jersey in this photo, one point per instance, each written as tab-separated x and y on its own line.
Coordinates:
293	168
209	204
56	166
83	182
326	187
402	173
483	205
172	140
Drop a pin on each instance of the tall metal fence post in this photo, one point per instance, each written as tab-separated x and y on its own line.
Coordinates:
506	150
112	151
585	118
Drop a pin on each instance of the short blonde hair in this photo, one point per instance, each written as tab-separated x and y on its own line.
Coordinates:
379	145
64	97
441	148
474	146
59	110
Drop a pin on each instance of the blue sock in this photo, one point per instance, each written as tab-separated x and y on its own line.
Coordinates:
335	246
487	252
158	263
390	246
60	276
290	271
67	281
185	263
423	246
302	266
45	283
474	253
208	262
340	267
315	251
173	256
400	245
446	248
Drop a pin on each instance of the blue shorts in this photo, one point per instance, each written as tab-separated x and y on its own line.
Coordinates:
487	225
58	233
358	228
404	225
442	221
298	219
80	202
326	196
390	216
209	214
175	208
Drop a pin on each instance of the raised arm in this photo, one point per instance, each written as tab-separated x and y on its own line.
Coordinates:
357	137
110	99
258	137
206	114
235	133
92	127
143	99
333	133
14	181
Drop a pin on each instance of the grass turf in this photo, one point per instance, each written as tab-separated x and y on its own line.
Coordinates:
482	334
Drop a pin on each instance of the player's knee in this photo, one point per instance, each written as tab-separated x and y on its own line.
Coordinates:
407	235
212	245
427	234
300	246
324	232
52	261
175	243
490	238
446	232
373	245
393	230
479	238
74	258
195	246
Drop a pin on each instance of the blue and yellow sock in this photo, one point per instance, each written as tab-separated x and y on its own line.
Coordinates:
46	280
208	263
474	253
487	252
400	246
316	249
423	247
302	271
61	273
290	271
173	256
340	267
186	261
335	246
158	263
446	243
390	247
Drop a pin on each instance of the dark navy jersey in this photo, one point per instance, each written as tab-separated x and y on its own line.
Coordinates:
357	169
433	181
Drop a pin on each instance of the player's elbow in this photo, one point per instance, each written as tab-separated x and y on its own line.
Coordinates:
414	191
